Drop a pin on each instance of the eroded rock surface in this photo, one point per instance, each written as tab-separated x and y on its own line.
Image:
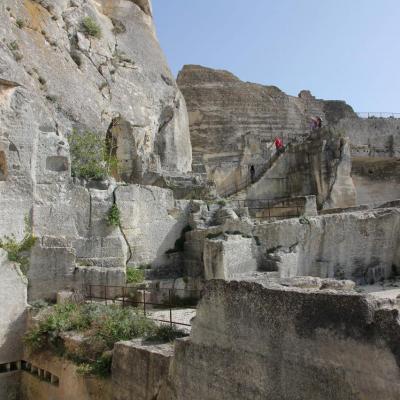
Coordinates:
287	344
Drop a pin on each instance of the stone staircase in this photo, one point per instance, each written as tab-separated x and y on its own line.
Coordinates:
241	188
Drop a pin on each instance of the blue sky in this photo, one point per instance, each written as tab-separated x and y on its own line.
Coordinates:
338	49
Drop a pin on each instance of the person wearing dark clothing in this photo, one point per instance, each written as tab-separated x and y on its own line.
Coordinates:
252	173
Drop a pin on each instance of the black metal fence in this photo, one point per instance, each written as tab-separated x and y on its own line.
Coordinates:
271	208
149	300
378	114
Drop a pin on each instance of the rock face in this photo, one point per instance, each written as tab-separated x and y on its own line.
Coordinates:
316	246
119	83
152	221
376	179
13	300
13	295
320	165
139	369
287	344
233	124
119	79
85	66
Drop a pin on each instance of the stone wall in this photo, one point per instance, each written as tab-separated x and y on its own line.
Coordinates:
254	342
372	137
315	246
55	79
376	179
70	385
139	369
319	166
13	306
151	221
13	311
229	256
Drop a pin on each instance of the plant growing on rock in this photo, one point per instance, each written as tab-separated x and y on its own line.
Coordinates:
134	275
99	325
89	156
20	23
91	28
114	216
17	250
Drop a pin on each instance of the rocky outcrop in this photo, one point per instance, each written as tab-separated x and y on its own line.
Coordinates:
250	341
113	79
320	165
151	221
233	123
81	66
315	246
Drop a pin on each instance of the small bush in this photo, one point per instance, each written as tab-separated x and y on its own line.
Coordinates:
88	154
91	28
20	23
16	250
114	216
101	326
221	203
134	275
13	46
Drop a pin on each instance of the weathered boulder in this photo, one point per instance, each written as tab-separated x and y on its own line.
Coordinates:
250	341
233	123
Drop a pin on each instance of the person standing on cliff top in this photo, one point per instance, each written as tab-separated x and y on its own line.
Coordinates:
280	148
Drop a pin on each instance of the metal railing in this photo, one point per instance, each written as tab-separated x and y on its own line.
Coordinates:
128	296
259	171
369	114
272	208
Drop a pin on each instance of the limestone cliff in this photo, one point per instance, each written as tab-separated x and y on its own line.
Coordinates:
233	124
55	77
81	65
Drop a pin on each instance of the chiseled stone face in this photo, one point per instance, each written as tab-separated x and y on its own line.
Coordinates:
232	123
54	79
254	342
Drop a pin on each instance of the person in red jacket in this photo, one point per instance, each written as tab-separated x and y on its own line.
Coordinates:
280	148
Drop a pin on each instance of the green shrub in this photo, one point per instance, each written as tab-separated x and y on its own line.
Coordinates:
134	275
114	216
101	326
13	46
91	28
16	249
89	155
20	23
